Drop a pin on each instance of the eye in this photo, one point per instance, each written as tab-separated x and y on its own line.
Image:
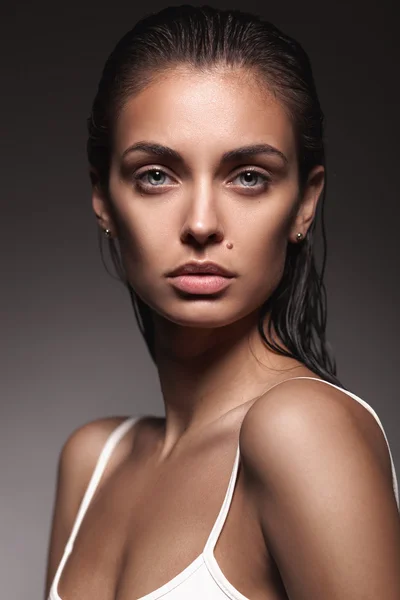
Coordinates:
252	178
151	178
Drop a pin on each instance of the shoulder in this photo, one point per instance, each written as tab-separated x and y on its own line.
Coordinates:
84	444
76	463
304	416
80	452
82	449
316	467
310	434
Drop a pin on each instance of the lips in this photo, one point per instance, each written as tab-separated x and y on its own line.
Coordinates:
197	278
199	268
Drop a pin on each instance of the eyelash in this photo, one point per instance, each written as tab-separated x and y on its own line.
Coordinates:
266	180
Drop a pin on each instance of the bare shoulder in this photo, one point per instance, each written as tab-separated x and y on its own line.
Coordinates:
83	446
81	451
77	460
299	410
317	467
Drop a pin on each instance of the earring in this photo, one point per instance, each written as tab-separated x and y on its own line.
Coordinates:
299	236
107	232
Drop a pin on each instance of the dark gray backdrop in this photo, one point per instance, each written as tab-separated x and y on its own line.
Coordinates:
71	351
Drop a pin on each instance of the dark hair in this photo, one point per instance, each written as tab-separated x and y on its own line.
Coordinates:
203	38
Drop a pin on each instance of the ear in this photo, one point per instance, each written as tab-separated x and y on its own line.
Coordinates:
101	204
307	205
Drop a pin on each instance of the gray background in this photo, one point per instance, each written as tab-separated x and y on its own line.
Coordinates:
71	351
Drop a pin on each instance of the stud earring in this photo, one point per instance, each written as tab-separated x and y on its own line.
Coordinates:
299	236
107	232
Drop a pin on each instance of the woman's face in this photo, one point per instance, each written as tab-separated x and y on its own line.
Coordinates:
177	196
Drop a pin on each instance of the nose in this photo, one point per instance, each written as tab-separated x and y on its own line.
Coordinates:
202	223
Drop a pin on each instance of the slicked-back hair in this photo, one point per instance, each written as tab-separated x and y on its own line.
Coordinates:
205	38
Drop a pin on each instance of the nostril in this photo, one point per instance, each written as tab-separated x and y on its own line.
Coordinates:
202	237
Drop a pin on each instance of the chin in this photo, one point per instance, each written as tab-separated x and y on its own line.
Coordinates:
205	314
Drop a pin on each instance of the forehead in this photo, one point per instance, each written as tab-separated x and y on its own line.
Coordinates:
210	111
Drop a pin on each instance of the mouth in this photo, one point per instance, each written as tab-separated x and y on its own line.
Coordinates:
201	268
201	277
200	283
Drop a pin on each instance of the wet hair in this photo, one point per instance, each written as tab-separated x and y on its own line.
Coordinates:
205	38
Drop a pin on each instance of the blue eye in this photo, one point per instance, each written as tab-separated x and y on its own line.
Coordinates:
149	180
249	178
154	177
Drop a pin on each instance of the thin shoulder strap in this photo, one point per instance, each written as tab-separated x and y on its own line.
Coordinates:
219	523
111	442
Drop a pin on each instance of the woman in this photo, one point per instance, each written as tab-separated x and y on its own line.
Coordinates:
266	479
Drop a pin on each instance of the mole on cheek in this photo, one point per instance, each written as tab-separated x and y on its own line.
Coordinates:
229	245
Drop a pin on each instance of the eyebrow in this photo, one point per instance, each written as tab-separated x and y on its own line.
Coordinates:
237	153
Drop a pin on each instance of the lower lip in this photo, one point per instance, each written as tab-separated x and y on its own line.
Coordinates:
200	284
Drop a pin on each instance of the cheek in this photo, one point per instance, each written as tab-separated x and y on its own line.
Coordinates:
146	239
261	249
142	245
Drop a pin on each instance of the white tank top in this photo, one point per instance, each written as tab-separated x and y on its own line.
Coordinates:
203	578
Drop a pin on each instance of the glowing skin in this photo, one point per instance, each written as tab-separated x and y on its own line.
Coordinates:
188	211
166	212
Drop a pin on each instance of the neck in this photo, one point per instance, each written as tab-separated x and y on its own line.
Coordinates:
205	373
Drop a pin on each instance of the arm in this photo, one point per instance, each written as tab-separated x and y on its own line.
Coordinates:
318	469
76	463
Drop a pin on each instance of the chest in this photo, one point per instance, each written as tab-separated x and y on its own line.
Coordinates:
145	527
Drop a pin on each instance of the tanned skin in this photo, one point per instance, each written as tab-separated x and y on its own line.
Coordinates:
313	514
